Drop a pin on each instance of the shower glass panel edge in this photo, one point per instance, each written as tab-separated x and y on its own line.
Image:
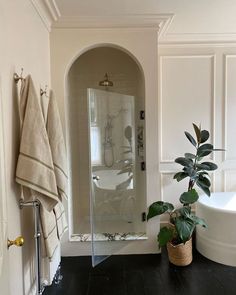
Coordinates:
96	259
112	134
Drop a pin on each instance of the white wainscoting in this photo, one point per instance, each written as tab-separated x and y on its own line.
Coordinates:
196	84
187	83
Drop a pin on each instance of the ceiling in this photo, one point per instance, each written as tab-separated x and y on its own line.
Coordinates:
181	20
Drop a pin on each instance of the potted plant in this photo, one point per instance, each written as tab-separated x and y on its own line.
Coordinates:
178	234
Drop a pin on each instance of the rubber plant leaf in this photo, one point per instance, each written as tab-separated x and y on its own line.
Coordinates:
189	197
209	166
197	132
203	187
204	136
180	176
190	138
184	162
205	150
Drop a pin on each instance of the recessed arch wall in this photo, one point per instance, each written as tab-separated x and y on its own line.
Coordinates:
86	72
66	45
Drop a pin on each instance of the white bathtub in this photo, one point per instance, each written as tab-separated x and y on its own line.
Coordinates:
218	241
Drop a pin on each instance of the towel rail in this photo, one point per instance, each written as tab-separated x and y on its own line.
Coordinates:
37	234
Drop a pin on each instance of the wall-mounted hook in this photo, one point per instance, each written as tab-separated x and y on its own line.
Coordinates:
42	92
17	77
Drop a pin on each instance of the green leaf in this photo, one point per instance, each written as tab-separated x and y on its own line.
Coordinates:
184	227
184	162
203	173
165	235
204	136
190	138
169	206
201	166
180	176
205	150
209	166
192	173
158	208
198	220
189	156
203	187
198	132
204	181
189	197
184	211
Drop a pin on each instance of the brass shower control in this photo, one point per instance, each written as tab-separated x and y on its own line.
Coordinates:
19	242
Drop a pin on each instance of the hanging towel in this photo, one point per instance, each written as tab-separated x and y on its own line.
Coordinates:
49	240
58	151
35	168
57	145
60	219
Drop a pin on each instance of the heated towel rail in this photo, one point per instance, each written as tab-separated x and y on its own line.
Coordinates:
37	234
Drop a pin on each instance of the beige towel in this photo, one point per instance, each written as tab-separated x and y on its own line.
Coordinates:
58	150
49	239
35	168
57	145
60	219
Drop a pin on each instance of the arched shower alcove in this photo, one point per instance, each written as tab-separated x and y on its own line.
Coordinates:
105	127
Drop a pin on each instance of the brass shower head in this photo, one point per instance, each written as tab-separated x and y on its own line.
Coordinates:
106	82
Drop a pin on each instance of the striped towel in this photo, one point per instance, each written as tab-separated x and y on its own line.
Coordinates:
58	151
49	239
60	219
57	145
35	168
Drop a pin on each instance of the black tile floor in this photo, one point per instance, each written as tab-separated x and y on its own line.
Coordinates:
144	275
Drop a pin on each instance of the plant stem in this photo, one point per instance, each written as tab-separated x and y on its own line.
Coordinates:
190	184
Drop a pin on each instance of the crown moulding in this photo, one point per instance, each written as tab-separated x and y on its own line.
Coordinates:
48	12
51	17
157	21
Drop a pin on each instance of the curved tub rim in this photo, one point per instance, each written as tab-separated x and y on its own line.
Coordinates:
213	208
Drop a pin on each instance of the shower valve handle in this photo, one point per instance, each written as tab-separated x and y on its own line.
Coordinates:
96	177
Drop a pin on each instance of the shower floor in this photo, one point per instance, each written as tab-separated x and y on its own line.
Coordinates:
144	275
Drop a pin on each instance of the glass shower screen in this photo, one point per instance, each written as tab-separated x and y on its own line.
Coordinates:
113	202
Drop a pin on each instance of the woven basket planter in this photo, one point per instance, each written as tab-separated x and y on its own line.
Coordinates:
180	255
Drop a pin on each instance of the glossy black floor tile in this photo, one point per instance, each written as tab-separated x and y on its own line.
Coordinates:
144	275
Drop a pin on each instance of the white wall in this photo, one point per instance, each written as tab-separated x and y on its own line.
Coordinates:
197	84
24	43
